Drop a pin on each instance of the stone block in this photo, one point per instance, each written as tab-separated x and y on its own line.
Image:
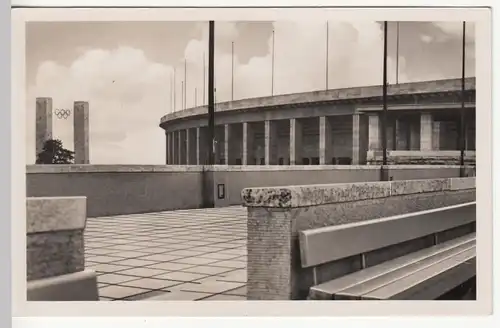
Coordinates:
406	187
79	286
269	267
54	238
54	253
299	196
462	183
46	214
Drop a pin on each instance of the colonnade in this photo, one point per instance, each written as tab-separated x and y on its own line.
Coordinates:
316	140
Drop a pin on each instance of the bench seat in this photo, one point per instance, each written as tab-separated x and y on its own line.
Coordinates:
422	275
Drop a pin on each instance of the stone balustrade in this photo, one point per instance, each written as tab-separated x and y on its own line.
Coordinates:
277	214
55	250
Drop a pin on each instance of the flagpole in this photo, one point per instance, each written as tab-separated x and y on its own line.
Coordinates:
174	91
211	112
397	52
182	95
185	83
462	109
327	43
204	79
232	71
171	93
272	69
384	111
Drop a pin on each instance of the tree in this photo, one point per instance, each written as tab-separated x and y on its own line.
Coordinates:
54	153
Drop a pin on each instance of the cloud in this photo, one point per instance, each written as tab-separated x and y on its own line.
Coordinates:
452	30
127	95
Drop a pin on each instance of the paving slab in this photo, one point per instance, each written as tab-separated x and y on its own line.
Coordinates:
174	255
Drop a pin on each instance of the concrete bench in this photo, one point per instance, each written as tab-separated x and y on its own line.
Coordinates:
55	250
277	216
425	274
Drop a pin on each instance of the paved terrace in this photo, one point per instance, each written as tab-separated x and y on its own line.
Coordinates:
176	255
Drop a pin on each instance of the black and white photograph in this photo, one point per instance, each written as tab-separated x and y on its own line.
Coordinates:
250	160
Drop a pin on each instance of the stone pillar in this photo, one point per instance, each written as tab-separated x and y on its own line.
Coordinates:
201	145
178	148
355	139
271	142
188	146
325	140
426	142
227	135
167	148
198	157
414	134
248	139
402	134
436	135
374	132
81	132
43	122
171	148
295	142
183	146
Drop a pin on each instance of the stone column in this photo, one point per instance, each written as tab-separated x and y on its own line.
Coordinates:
167	148
43	122
198	157
188	146
271	142
248	139
426	142
179	148
355	139
325	140
295	142
81	132
373	132
183	146
414	143
171	148
402	134
436	135
227	135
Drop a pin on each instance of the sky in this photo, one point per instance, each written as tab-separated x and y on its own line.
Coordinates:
125	70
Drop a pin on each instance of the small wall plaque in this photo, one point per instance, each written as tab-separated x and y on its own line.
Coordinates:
221	191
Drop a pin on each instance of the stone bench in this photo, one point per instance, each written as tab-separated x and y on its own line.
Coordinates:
277	216
425	274
55	250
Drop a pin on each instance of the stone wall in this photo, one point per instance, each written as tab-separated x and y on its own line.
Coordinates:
277	214
128	189
236	178
433	157
119	189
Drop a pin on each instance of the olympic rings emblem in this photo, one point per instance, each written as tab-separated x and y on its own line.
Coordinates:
62	113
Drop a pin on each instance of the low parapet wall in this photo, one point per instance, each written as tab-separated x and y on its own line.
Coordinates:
432	157
128	189
277	214
120	189
55	258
